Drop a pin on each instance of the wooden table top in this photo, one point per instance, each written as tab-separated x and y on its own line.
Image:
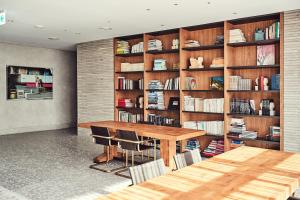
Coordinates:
159	132
245	173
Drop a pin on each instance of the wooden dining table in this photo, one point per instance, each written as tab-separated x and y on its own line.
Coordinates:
167	136
245	173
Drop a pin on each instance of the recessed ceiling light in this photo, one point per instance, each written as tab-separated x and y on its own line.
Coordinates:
162	25
39	26
77	33
10	21
105	28
234	13
148	9
175	4
65	30
208	2
53	38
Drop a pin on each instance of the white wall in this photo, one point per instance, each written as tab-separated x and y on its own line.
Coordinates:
18	116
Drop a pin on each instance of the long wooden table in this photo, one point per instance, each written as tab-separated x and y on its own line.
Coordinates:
167	136
246	173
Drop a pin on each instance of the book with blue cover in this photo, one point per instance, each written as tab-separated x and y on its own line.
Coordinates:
217	83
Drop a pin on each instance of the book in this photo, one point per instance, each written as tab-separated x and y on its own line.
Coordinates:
266	55
217	83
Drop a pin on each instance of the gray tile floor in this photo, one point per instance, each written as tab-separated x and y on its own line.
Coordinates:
52	165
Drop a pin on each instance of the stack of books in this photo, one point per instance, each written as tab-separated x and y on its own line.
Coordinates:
172	84
275	133
236	35
214	148
273	31
160	120
190	83
215	105
125	103
192	144
159	64
238	83
155	45
191	43
125	116
129	67
122	47
155	85
156	100
238	129
137	48
242	106
127	84
211	127
275	82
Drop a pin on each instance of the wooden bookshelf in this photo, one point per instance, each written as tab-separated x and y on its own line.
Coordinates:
239	59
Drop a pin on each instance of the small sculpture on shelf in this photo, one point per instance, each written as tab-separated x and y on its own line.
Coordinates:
217	62
219	40
272	107
196	63
175	44
266	81
259	34
256	84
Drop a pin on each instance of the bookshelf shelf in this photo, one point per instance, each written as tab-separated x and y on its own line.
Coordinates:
254	43
215	136
133	108
248	115
276	66
129	54
205	69
240	59
160	71
206	47
167	51
255	140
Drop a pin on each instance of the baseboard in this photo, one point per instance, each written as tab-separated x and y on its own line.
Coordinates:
26	129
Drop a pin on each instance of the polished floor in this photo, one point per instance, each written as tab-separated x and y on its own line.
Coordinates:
52	165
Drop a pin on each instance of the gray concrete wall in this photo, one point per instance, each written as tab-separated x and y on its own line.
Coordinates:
18	116
292	81
95	81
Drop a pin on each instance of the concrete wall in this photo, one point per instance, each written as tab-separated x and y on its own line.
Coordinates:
95	81
18	116
292	81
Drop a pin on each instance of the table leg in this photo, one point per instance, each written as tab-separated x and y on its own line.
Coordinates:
167	151
110	155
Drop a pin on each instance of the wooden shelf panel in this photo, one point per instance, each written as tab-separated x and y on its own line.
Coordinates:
246	115
206	47
259	91
163	51
129	54
257	139
158	71
135	90
254	43
206	69
207	113
130	72
153	90
130	37
165	110
254	67
133	108
218	91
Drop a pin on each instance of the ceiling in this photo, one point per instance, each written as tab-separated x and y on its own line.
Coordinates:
33	22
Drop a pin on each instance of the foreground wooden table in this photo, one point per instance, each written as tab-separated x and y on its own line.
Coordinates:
167	135
246	173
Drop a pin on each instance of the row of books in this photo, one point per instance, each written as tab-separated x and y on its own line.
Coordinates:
275	133
128	67
137	48
155	85
125	116
125	103
238	83
128	84
211	127
161	121
156	100
273	31
242	106
159	64
123	47
191	43
214	105
214	148
155	45
172	84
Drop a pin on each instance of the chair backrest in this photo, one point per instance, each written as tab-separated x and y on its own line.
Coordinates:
187	158
101	131
130	136
147	171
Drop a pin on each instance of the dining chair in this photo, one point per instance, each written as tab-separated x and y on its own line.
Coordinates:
147	171
187	158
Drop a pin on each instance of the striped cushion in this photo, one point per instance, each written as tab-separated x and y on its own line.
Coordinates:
136	174
187	158
297	193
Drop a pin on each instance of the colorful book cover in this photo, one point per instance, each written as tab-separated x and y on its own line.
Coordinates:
217	83
266	55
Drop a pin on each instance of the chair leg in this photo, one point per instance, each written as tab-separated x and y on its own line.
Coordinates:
154	149
148	152
132	159
107	153
126	159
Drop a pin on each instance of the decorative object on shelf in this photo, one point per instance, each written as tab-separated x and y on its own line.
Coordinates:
175	44
217	83
123	47
265	107
266	55
155	45
13	94
236	36
174	103
238	83
217	62
256	84
125	103
159	64
219	40
275	82
196	63
192	144
272	107
259	34
172	84
191	43
261	83
238	129
190	83
266	81
242	106
139	102
129	67
214	148
138	48
176	66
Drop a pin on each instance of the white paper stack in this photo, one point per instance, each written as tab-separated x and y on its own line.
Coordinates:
154	45
127	67
236	35
137	48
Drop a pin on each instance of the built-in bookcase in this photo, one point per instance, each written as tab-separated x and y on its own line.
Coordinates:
239	59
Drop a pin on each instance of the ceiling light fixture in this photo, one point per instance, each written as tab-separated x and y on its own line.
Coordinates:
148	9
53	38
208	2
105	28
162	25
234	13
77	33
175	4
39	26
